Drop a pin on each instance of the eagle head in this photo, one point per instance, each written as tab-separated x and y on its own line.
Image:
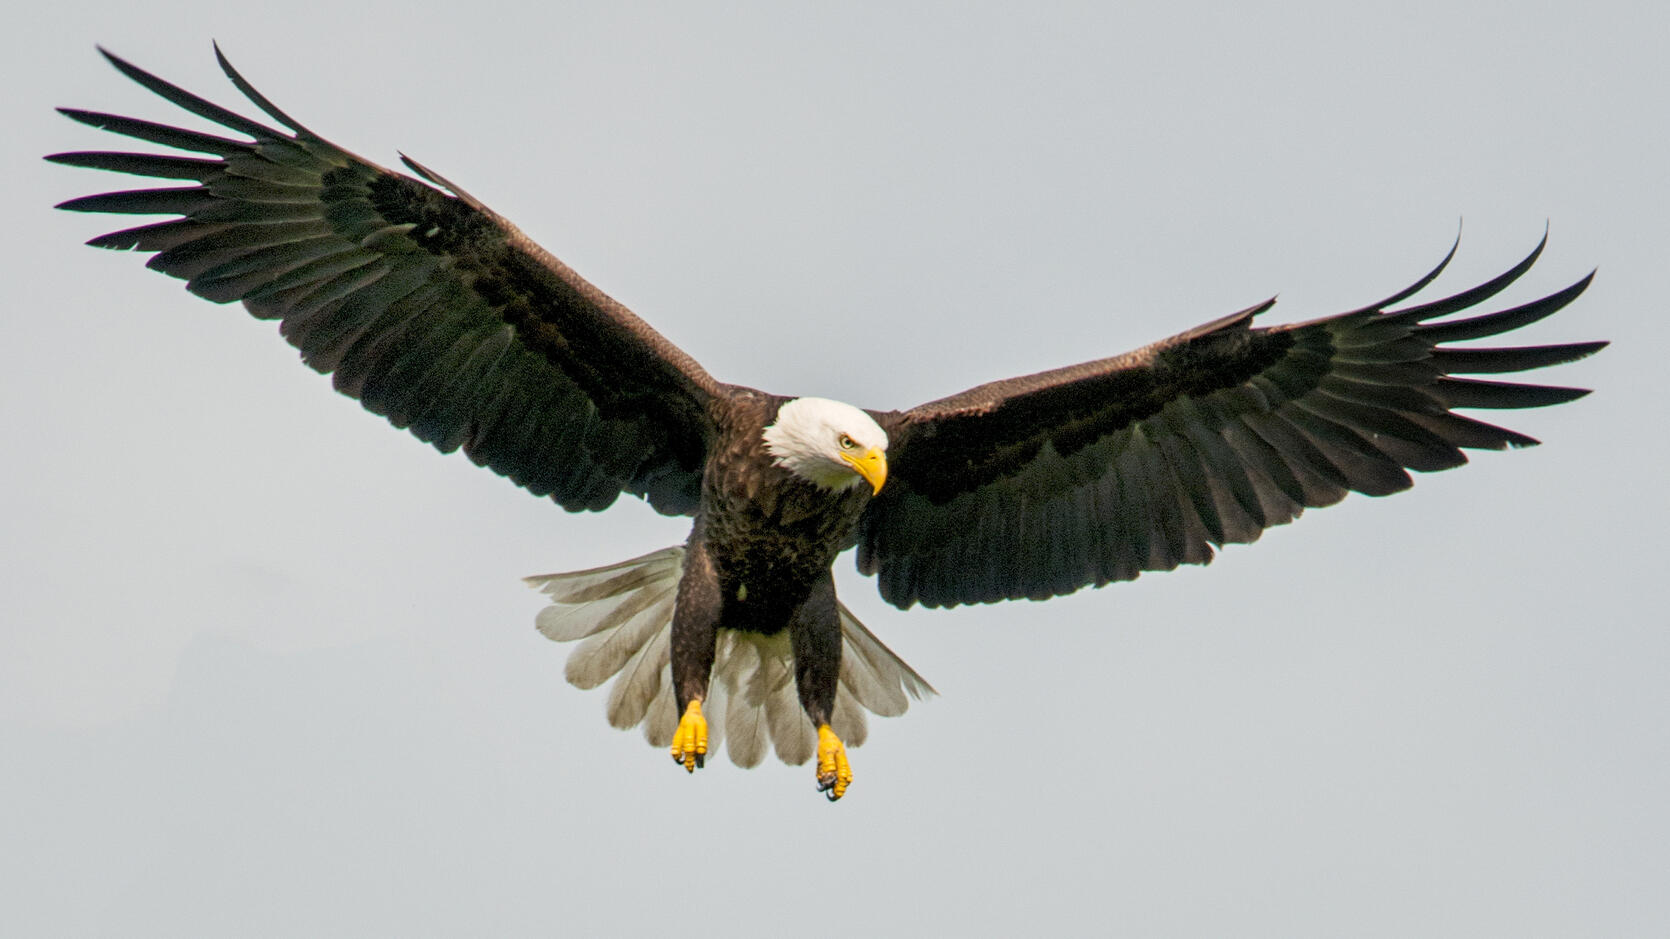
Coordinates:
829	444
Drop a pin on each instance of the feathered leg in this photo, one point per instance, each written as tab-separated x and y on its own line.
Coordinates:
695	629
815	632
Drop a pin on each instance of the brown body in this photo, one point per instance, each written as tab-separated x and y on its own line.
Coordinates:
758	559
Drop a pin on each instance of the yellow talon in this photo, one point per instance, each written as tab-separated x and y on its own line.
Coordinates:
690	740
834	775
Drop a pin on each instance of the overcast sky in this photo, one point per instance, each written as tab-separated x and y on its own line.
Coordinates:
267	666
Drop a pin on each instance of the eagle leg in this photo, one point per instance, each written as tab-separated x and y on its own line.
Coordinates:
815	634
690	740
834	775
694	632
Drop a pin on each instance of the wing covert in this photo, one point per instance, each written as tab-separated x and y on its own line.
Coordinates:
428	307
1037	486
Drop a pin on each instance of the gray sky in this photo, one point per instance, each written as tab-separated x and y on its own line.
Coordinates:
266	666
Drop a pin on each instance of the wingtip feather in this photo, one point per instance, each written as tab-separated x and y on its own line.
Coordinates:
260	100
1418	285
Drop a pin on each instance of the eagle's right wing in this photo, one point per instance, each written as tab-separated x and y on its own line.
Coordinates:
1039	485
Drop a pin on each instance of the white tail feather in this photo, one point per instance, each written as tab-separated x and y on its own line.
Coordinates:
622	616
662	720
640	682
847	720
745	719
626	628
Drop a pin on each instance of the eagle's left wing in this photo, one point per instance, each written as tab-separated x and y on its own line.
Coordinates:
1036	486
427	306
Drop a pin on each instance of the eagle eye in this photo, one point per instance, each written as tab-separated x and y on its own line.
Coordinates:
847	443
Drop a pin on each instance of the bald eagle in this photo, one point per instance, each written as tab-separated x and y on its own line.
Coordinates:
440	315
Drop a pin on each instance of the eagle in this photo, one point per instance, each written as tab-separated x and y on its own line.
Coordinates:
440	315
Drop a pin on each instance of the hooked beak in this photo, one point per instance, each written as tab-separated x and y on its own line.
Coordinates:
872	466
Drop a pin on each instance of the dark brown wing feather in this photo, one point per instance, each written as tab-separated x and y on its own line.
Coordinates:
1037	486
429	308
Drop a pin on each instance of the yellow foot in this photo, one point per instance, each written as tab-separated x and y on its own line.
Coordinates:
834	776
690	740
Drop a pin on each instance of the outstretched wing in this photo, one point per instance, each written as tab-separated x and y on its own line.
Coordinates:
426	306
1037	486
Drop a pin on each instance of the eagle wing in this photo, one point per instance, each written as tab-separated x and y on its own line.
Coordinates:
1036	486
425	305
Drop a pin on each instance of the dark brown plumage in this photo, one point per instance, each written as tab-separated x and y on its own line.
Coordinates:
440	315
1144	461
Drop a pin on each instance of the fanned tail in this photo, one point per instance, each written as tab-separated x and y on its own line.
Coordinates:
622	617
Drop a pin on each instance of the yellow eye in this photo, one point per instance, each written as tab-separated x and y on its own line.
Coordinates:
847	443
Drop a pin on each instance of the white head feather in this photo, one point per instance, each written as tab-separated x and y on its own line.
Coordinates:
816	438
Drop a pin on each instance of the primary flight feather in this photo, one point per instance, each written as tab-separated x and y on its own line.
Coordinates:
440	315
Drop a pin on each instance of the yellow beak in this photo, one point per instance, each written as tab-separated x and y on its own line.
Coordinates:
872	466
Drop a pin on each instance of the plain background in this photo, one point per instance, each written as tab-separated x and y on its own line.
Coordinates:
266	667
